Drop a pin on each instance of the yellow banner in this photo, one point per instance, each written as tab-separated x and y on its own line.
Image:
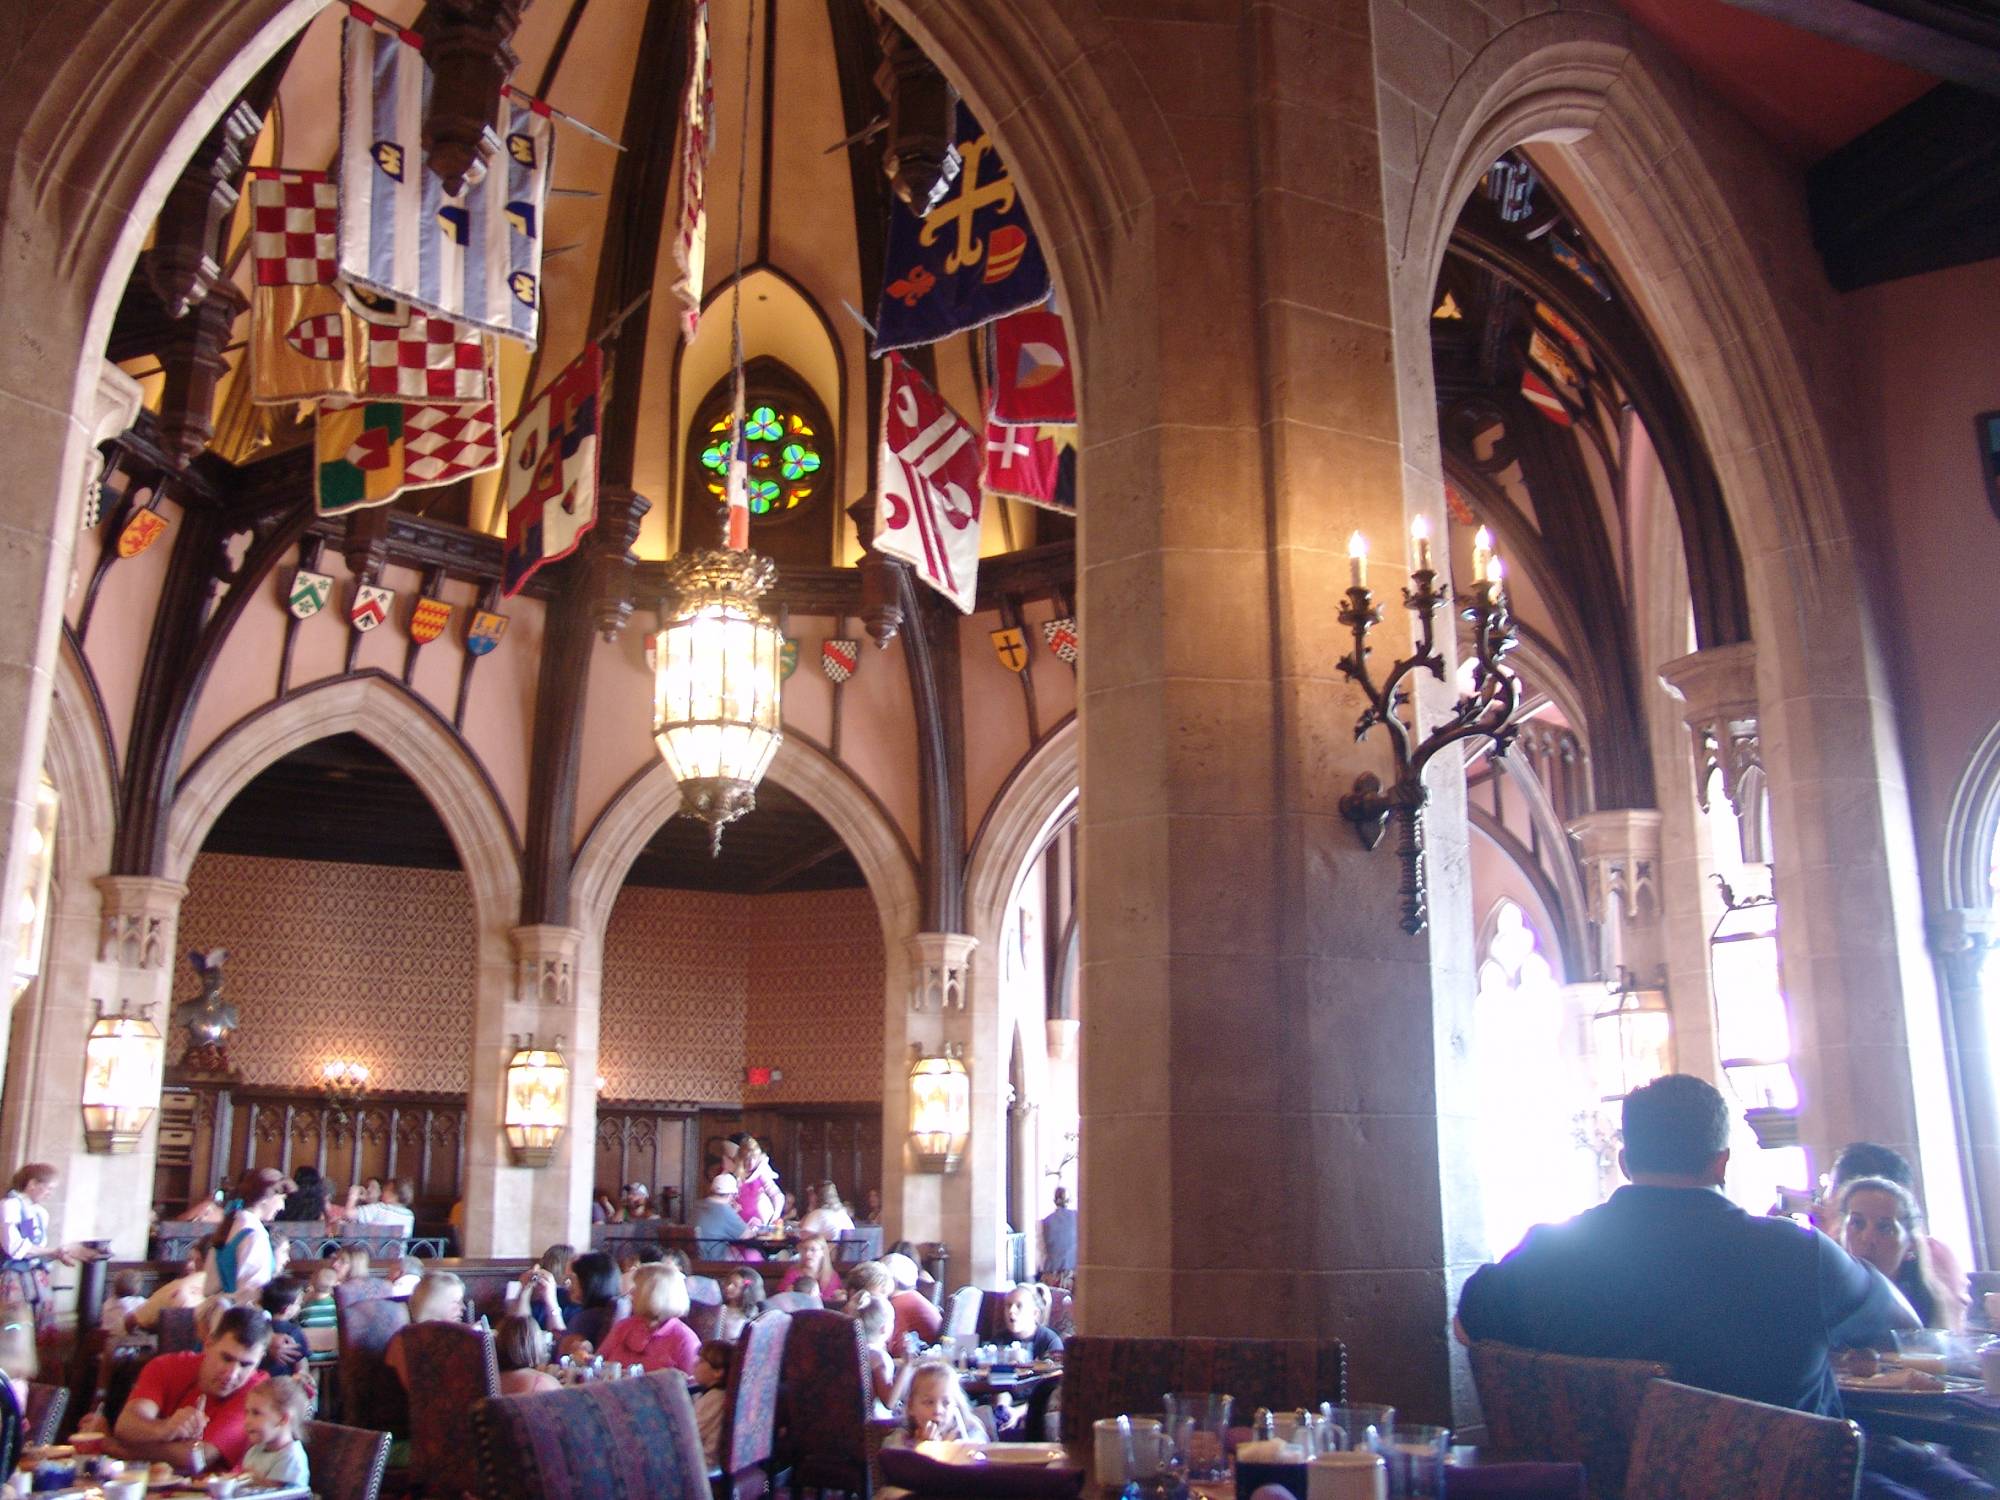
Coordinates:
304	344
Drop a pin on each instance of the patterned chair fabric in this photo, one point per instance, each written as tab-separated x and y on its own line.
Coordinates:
43	1418
370	1394
1697	1445
825	1403
346	1462
749	1428
455	1367
705	1289
616	1440
961	1319
1562	1408
370	1289
176	1331
704	1318
1105	1376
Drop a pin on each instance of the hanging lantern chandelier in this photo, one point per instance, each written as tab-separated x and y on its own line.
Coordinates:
717	672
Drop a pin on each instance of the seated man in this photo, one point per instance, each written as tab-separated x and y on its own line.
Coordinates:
1670	1270
187	1409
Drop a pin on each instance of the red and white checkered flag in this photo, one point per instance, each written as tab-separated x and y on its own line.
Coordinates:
426	359
293	220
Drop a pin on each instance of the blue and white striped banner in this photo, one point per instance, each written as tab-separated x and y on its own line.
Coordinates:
476	258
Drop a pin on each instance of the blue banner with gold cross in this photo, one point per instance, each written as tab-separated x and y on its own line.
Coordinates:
971	259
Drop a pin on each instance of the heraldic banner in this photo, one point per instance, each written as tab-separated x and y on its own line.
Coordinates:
552	470
476	258
928	510
973	258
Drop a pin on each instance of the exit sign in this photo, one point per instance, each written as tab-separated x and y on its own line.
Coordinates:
758	1078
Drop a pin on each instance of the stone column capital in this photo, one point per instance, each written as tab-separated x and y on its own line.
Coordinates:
545	966
939	962
141	913
1718	692
1617	833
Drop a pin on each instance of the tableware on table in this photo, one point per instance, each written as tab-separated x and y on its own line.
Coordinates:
1414	1456
1146	1442
1991	1302
1347	1476
1197	1427
1352	1428
1015	1453
1989	1366
126	1487
1923	1349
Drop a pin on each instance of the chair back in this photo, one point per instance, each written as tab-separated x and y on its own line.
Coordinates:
176	1330
118	1369
704	1318
862	1242
347	1462
825	1403
704	1289
1563	1408
370	1394
454	1366
365	1289
1697	1445
792	1302
1062	1311
1105	1376
750	1423
613	1440
43	1418
961	1318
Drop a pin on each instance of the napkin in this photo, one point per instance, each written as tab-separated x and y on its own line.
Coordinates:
910	1470
1524	1481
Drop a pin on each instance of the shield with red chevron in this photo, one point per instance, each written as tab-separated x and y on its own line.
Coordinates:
370	607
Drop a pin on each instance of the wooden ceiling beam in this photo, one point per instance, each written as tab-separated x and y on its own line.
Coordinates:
1947	40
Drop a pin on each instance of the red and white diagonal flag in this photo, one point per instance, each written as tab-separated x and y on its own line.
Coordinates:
928	511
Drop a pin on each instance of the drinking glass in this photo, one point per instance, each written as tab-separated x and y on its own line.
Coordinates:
1197	1424
1414	1455
1353	1428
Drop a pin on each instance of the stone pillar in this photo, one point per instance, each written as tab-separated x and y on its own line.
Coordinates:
1277	1138
1963	942
35	571
512	1210
112	940
1619	850
962	1209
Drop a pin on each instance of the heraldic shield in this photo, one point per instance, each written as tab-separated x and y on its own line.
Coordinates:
310	591
485	631
1011	646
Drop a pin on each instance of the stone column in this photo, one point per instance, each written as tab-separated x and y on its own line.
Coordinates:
1277	1138
512	1210
944	1006
1963	942
1619	850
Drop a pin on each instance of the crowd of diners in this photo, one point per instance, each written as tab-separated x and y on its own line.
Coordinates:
236	1402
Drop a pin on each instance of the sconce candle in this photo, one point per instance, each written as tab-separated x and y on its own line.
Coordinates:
1357	559
1420	541
124	1061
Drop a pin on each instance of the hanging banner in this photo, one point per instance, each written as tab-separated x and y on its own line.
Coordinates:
1032	379
928	510
475	258
697	140
552	471
971	259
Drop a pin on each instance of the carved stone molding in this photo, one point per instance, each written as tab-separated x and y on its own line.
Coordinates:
119	398
941	964
141	915
546	969
1718	688
1961	939
1619	850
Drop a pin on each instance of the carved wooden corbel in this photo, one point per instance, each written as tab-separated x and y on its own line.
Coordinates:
469	47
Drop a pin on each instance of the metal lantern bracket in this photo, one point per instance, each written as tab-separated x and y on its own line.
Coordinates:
1488	711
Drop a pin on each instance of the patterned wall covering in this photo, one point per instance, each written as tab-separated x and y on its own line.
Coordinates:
816	976
339	960
335	960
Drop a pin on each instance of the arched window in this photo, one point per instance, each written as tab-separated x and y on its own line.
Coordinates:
1540	1148
789	442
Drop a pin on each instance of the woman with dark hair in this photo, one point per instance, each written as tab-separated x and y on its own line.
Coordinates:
238	1258
25	1245
1879	1224
308	1204
594	1287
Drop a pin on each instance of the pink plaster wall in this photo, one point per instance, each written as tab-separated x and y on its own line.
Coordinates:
121	622
878	740
617	721
1925	356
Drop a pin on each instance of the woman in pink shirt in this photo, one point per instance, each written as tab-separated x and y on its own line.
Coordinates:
654	1336
758	1197
815	1265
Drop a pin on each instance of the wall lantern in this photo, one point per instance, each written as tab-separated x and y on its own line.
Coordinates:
124	1060
940	1110
1633	1041
29	910
537	1102
716	679
343	1081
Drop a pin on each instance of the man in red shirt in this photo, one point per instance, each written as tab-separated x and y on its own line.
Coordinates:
187	1409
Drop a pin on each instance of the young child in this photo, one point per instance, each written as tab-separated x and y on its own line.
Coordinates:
876	1318
408	1277
711	1395
271	1417
934	1408
128	1295
283	1296
742	1299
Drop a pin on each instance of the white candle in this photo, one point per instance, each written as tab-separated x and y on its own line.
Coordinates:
1357	560
1420	537
1482	553
1494	571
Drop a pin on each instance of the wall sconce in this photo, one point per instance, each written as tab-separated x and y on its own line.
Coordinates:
1488	710
124	1063
343	1081
1632	1043
29	910
940	1109
537	1102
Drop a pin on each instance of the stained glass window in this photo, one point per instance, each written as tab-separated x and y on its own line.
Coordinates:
784	452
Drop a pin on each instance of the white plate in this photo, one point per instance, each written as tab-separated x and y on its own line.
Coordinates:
1015	1453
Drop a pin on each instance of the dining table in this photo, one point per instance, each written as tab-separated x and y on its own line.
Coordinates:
1964	1420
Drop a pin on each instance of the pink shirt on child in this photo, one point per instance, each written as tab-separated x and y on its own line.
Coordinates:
634	1341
